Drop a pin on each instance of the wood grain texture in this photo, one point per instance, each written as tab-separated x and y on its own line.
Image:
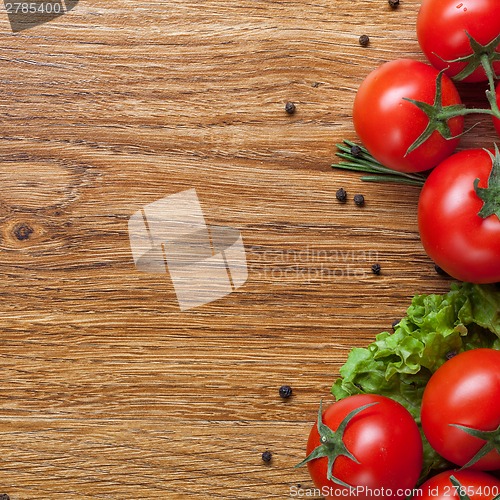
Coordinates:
108	390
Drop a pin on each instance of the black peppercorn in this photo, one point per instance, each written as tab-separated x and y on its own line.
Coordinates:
395	324
440	271
359	200
394	3
356	151
4	496
364	40
376	269
285	391
290	108
341	195
267	456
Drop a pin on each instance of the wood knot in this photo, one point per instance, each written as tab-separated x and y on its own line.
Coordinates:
22	231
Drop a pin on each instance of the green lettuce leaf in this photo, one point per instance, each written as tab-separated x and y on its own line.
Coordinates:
435	328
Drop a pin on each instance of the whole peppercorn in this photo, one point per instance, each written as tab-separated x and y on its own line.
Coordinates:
376	269
394	3
267	456
341	195
359	200
290	108
356	151
395	324
364	40
285	391
4	496
441	271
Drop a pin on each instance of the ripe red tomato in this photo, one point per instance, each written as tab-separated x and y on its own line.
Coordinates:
456	238
465	390
384	439
387	125
442	27
474	484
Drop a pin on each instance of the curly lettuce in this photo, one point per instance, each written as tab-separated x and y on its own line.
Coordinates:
435	328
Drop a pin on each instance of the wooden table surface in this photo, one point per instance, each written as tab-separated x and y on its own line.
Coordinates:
109	389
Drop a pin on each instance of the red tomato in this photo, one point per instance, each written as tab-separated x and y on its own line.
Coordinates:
474	484
456	238
465	390
442	27
384	439
387	125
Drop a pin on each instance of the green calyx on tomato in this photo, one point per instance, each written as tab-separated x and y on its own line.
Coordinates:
332	443
457	485
490	195
492	439
438	115
443	29
482	55
459	489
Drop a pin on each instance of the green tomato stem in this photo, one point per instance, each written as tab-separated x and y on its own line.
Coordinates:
491	438
490	93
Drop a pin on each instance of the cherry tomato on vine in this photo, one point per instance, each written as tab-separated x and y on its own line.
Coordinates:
388	124
443	27
460	411
459	222
364	441
449	484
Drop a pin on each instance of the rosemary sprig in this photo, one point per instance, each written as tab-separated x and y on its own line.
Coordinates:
365	162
